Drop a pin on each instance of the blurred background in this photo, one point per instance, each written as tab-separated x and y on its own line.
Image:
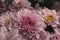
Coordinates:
51	4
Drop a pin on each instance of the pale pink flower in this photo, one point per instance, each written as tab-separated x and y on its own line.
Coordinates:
7	30
6	19
50	16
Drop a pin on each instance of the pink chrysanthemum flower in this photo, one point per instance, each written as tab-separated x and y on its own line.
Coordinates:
30	19
28	23
7	30
6	19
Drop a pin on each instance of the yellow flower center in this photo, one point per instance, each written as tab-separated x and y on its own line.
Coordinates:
49	18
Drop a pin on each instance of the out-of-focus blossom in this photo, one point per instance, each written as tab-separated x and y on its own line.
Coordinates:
7	32
22	3
43	35
13	35
55	37
3	33
6	20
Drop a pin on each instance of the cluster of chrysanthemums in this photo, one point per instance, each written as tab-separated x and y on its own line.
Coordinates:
22	22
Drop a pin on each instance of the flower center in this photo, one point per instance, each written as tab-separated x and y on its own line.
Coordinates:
28	22
49	18
7	22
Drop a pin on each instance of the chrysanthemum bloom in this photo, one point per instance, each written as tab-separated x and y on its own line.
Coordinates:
7	32
50	17
6	19
29	19
9	35
28	22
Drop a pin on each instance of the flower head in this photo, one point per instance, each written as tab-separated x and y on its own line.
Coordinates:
6	19
30	19
29	23
50	16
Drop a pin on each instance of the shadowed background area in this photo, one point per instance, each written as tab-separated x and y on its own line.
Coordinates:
51	4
